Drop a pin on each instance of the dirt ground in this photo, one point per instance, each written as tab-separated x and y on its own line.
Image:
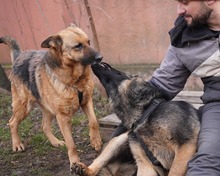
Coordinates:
53	162
41	158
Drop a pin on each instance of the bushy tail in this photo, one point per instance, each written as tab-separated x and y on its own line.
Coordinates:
13	45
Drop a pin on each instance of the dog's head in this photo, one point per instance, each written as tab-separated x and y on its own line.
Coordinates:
71	46
129	95
110	78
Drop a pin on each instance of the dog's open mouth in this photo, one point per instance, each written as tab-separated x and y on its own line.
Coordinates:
101	68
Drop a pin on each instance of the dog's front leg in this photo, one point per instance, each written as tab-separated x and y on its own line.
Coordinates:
144	165
111	150
64	122
95	138
46	125
182	156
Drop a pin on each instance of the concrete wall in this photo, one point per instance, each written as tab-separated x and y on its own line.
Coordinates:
129	31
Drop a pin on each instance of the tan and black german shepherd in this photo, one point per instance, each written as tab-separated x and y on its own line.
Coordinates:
157	137
59	81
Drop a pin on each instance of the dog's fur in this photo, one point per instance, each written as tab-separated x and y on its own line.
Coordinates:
170	132
56	80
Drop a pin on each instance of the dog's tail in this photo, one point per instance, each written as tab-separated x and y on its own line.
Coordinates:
13	45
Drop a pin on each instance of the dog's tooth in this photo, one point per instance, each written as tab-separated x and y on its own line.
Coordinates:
105	65
102	64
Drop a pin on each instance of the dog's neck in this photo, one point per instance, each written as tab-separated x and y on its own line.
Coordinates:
148	111
61	86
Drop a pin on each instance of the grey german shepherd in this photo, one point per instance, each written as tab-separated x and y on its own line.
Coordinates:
159	141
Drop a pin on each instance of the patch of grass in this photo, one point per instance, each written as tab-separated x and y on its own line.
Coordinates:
5	106
101	104
40	143
5	114
24	128
78	118
85	132
4	132
5	152
39	171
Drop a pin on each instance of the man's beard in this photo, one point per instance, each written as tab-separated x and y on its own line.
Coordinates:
202	18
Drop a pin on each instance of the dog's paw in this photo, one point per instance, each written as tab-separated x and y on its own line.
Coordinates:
96	144
58	143
18	147
79	169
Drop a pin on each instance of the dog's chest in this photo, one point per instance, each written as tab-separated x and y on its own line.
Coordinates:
56	95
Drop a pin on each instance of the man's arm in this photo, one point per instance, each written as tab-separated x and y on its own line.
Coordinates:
171	76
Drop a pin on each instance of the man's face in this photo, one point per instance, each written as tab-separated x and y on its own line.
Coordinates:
195	12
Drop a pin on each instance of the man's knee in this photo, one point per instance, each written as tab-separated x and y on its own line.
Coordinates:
204	164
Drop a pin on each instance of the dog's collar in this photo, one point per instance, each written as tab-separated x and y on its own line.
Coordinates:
148	111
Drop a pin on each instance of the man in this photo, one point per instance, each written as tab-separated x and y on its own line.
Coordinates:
194	49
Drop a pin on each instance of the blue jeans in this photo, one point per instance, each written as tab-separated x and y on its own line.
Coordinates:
206	162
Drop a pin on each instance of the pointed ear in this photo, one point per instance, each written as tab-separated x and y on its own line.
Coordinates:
52	42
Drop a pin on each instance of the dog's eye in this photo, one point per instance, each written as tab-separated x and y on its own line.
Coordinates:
78	46
89	42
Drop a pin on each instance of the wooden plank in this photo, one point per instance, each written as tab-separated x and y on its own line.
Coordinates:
190	93
111	120
106	133
192	97
197	106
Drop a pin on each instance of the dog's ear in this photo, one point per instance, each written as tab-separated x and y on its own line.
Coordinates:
54	42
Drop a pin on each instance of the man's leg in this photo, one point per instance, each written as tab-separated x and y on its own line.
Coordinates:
207	160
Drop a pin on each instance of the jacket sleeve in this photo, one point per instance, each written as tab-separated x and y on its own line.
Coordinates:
171	76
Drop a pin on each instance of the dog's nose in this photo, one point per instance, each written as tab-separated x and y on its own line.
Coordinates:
98	58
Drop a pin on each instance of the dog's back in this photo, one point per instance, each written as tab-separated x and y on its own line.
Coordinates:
24	64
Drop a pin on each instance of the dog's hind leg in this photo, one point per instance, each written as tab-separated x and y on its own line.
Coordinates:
182	156
21	105
95	138
46	125
112	149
